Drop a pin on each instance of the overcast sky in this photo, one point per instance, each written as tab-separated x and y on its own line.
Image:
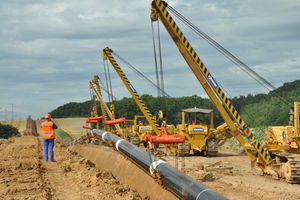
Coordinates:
51	49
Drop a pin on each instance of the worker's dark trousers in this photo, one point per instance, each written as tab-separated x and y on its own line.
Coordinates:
48	143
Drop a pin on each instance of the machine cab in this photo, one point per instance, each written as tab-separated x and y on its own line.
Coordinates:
194	123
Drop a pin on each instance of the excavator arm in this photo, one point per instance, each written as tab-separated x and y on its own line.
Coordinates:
159	10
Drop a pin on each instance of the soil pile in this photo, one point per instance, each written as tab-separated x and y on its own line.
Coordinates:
31	128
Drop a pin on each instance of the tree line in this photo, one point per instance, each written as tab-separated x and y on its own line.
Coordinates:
256	110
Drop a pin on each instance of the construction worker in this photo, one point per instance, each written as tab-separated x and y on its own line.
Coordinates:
140	124
93	140
48	134
285	138
192	122
150	148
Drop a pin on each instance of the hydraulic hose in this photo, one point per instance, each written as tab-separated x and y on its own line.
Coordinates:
179	183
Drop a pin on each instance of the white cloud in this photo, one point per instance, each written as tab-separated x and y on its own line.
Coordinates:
50	49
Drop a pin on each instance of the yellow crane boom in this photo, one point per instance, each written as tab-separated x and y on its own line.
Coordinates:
94	86
241	130
151	119
107	54
207	81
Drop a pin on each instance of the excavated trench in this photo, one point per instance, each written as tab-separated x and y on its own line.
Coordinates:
124	170
80	172
106	159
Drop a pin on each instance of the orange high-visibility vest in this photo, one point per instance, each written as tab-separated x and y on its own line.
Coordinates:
192	122
47	130
150	145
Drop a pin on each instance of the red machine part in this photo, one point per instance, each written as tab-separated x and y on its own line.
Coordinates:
87	127
91	121
164	138
114	121
95	118
175	138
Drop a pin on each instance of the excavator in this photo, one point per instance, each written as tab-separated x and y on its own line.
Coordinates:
267	160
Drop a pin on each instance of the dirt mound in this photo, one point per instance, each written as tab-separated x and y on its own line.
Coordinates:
124	170
31	127
25	175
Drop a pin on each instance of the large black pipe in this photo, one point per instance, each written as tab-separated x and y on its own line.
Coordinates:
179	183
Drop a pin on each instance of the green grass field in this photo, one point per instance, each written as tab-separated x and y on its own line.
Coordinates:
66	138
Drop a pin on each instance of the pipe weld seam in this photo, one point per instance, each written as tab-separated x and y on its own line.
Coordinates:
202	192
155	164
103	135
118	142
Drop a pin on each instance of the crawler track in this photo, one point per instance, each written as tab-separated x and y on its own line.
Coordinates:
294	161
183	149
213	148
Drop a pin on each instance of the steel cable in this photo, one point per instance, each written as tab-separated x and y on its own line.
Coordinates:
231	57
155	62
146	79
106	80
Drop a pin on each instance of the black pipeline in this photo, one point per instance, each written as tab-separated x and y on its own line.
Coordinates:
179	183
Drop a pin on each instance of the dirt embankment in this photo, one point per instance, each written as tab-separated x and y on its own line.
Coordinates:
25	175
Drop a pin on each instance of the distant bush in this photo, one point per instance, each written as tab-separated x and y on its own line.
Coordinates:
7	131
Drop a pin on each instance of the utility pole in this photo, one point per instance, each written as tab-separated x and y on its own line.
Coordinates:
12	111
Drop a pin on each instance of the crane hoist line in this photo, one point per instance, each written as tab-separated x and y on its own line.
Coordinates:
107	54
145	78
281	166
231	57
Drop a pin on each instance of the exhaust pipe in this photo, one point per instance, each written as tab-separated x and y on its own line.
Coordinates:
180	184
